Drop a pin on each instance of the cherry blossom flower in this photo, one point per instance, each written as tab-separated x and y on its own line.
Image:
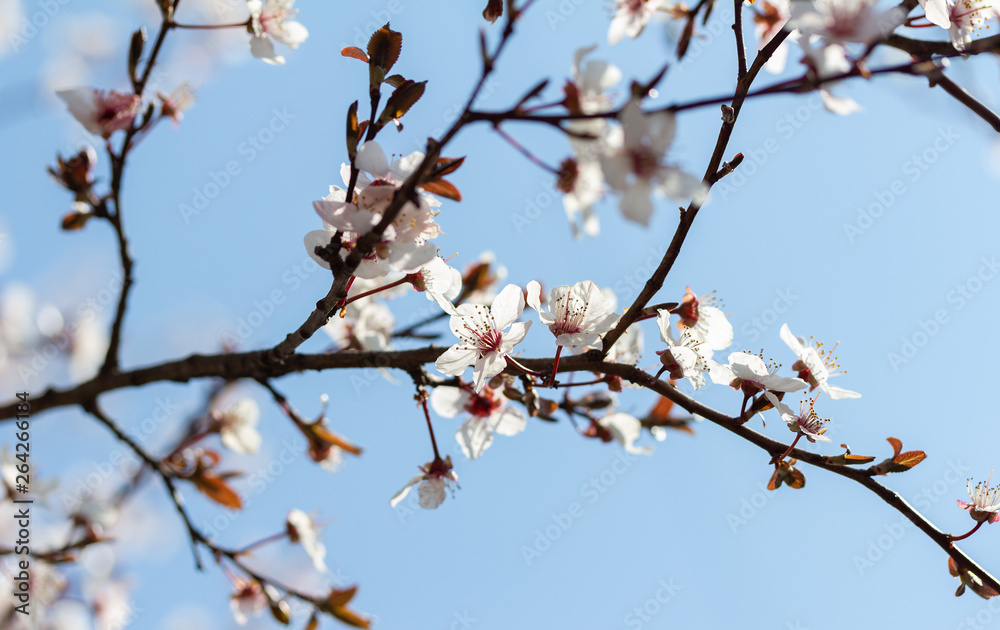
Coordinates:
88	346
404	244
631	17
634	167
577	315
838	21
489	411
815	365
937	12
621	427
585	94
366	327
269	21
707	323
435	479
686	357
101	113
440	283
769	16
749	373
302	529
965	18
985	504
806	422
237	426
628	347
483	342
823	62
172	105
249	600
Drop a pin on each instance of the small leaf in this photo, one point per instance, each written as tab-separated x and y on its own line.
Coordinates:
493	10
354	53
216	489
135	52
313	622
443	188
402	99
336	604
685	39
897	445
76	220
353	131
395	80
444	166
330	437
384	48
909	459
281	611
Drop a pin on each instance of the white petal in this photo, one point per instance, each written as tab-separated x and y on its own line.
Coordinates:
372	158
474	436
507	306
448	402
455	359
405	490
432	493
509	421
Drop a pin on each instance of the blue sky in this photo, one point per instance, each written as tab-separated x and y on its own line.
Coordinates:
691	523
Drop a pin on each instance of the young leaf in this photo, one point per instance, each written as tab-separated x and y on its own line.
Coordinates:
384	48
354	53
402	99
443	188
216	489
353	131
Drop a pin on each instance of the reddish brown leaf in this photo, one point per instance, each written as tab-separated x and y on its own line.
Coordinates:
400	102
952	567
355	53
384	48
661	410
330	437
493	10
443	188
216	489
897	445
445	166
395	80
75	220
313	623
909	459
353	131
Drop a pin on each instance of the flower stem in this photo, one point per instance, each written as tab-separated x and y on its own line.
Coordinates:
206	27
357	297
967	534
551	382
790	448
430	429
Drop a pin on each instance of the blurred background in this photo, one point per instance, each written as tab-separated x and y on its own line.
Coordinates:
877	230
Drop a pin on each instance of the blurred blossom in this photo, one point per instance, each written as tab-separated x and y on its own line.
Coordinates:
302	529
87	349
